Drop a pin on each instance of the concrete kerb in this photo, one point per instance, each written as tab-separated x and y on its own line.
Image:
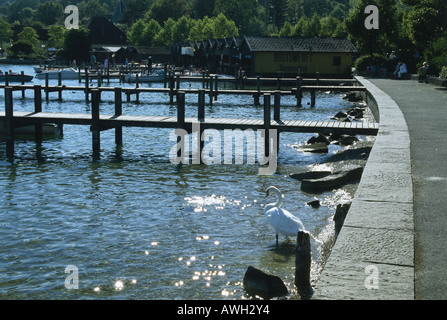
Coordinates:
373	257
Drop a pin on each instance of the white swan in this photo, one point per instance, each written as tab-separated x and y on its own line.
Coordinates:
282	221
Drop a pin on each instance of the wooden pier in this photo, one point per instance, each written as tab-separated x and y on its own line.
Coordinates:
210	85
99	122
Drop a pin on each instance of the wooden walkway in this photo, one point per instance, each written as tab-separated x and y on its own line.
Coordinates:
100	122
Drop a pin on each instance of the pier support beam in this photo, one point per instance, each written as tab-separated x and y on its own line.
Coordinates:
96	132
9	124
299	93
118	112
303	261
267	111
37	109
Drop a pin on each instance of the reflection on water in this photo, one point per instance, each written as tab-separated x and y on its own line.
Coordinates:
137	226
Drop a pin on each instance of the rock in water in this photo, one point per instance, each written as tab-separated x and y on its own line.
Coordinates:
257	282
333	181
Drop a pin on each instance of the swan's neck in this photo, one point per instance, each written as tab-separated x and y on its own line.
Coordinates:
280	198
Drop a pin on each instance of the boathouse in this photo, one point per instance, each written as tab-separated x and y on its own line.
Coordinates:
266	56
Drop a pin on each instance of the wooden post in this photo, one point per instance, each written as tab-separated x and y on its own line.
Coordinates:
312	98
47	92
201	112
211	89
86	84
165	75
23	83
216	78
99	77
180	120
299	93
303	261
267	124
96	142
6	79
181	109
278	81
9	124
118	112
59	83
171	89
37	109
277	105
177	82
137	85
258	89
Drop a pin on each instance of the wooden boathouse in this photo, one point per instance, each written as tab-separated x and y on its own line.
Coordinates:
266	56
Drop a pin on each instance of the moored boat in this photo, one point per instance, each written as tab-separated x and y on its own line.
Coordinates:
68	73
15	77
155	76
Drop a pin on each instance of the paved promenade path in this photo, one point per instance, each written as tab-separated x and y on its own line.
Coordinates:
425	110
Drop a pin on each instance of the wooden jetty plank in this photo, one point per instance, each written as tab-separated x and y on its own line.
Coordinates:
106	121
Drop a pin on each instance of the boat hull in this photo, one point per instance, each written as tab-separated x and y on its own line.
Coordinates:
16	78
65	75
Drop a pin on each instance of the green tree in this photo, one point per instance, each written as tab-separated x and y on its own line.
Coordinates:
56	36
202	8
164	9
28	35
313	26
49	12
136	9
77	45
286	30
182	28
222	27
369	41
329	26
135	34
427	21
248	15
151	29
165	36
5	32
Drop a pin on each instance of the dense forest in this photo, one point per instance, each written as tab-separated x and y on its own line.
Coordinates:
414	28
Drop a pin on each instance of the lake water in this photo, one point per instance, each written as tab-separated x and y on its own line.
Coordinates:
136	226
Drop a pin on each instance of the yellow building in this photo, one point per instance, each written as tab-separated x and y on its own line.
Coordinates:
266	56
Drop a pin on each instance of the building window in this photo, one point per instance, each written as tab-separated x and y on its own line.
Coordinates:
336	61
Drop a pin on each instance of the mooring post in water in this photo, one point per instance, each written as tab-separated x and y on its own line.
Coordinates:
303	262
267	113
216	78
201	111
171	89
96	144
47	89
180	120
137	85
277	105
118	112
37	109
22	74
278	80
86	84
59	83
211	89
165	74
312	98
9	124
299	93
